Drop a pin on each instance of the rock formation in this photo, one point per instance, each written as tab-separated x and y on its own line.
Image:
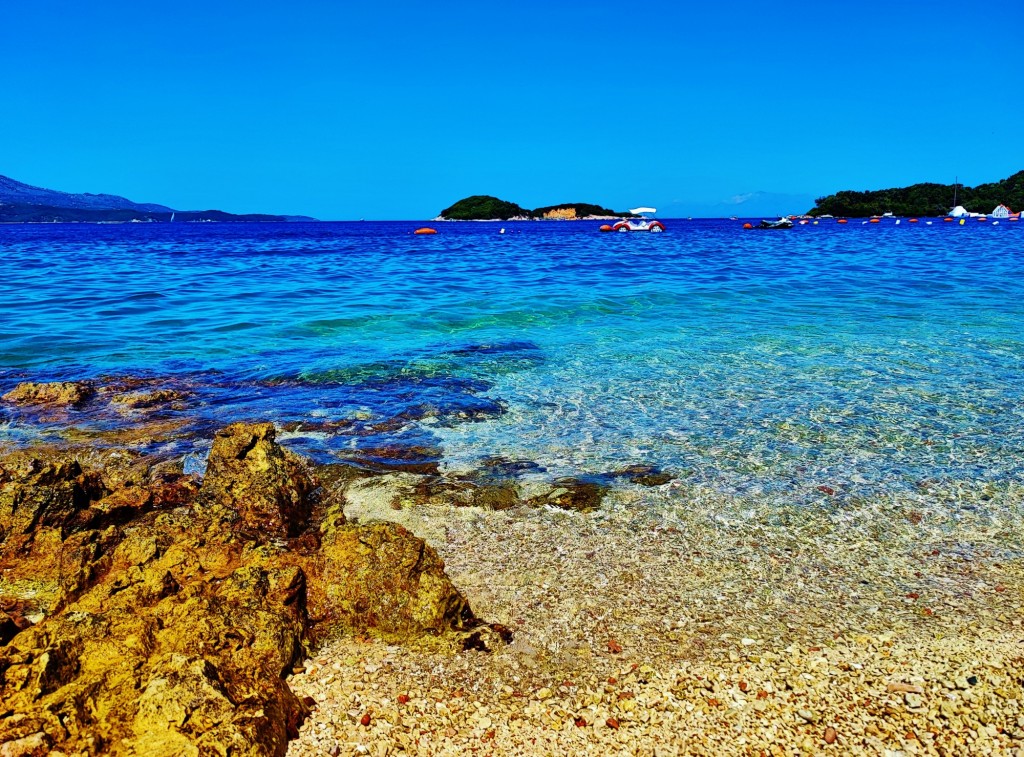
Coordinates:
144	614
59	393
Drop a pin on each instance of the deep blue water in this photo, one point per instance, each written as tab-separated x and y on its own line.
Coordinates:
871	358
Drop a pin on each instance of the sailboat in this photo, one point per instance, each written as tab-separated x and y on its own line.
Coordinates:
959	211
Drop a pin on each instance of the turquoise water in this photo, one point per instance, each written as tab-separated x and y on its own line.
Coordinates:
864	358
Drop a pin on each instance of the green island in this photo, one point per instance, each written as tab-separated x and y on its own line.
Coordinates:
923	199
488	208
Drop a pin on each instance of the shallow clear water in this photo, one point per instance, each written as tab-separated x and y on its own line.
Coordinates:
863	358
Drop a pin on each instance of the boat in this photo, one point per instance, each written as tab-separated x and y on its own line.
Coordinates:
640	221
782	223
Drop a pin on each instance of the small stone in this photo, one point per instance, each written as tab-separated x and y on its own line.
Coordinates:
806	715
612	723
830	735
913	700
365	719
904	688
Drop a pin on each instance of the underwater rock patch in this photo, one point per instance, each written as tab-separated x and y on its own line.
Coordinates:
143	400
571	493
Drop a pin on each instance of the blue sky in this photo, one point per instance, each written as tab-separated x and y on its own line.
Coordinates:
394	110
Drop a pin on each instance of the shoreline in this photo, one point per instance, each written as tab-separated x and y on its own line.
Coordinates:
642	634
645	615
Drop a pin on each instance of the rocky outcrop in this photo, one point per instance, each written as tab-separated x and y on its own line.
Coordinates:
144	400
152	616
250	474
381	577
56	394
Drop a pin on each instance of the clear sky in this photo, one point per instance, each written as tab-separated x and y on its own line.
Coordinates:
397	109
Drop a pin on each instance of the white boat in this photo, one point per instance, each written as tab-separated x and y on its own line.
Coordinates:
640	221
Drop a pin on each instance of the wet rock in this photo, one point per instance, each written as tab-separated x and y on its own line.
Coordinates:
507	467
578	494
408	459
249	473
494	495
55	394
147	400
644	475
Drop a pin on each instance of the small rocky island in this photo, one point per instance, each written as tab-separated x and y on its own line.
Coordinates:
488	208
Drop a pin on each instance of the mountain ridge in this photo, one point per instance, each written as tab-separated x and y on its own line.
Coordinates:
25	203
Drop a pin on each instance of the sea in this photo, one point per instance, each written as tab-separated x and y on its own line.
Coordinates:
824	362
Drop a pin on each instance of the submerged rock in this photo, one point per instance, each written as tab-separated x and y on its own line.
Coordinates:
155	617
579	494
143	400
57	394
644	475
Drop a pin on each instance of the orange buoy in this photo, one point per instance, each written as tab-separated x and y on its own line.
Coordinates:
912	220
947	220
425	231
982	219
748	226
841	220
605	227
874	220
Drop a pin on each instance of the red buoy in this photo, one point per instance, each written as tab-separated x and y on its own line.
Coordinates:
425	231
912	220
748	226
841	220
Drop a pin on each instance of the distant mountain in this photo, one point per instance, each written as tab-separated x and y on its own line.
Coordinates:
23	203
16	193
487	208
745	205
924	199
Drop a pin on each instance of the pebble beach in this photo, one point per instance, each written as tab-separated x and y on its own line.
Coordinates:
694	628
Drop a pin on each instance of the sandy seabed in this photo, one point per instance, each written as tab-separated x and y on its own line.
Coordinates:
678	621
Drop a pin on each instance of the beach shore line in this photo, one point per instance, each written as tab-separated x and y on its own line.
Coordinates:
693	630
639	615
